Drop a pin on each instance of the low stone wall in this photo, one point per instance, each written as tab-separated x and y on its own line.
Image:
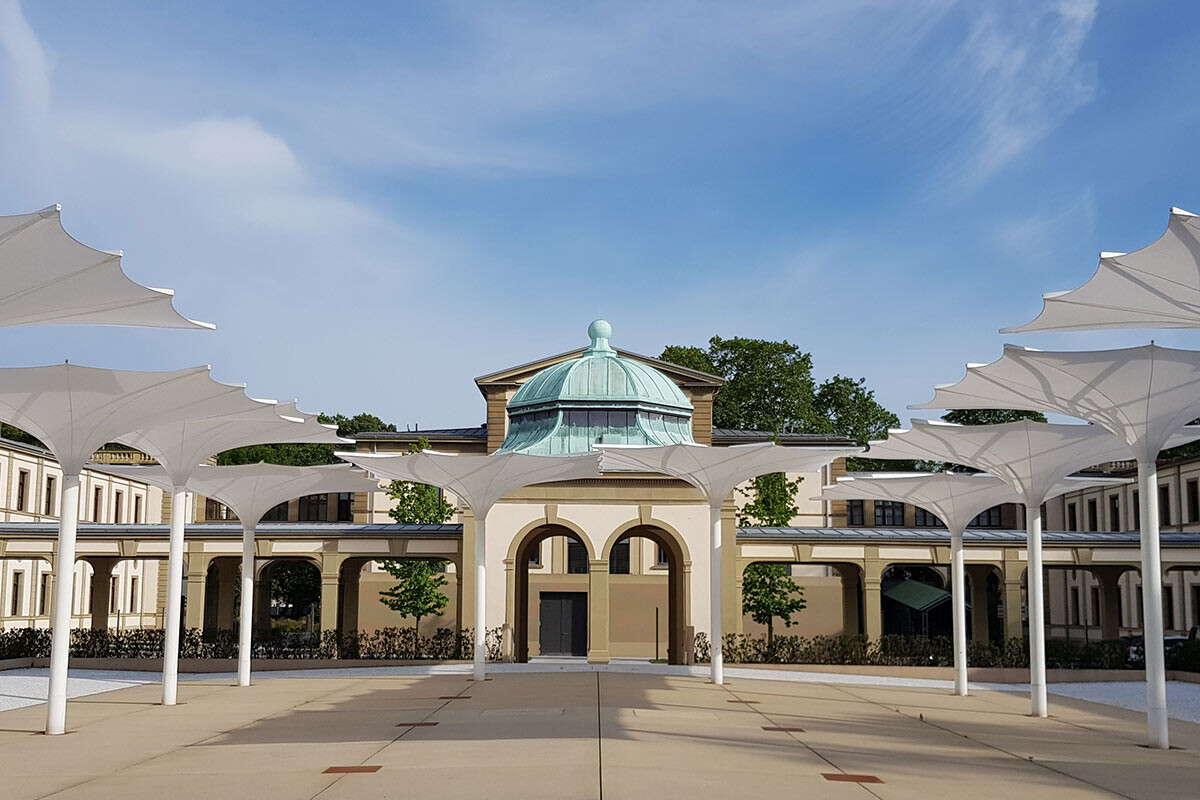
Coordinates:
977	674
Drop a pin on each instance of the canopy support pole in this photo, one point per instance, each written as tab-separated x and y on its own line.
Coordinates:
1035	598
64	584
717	656
480	669
1152	612
246	620
170	675
958	596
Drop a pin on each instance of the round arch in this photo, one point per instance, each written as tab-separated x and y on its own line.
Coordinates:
523	546
678	564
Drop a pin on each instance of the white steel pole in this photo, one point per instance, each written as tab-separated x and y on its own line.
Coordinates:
246	621
170	675
479	670
64	582
714	592
958	596
1152	613
1037	617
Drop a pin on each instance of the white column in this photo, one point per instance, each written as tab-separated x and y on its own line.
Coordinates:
1035	597
170	675
64	582
958	596
246	621
714	594
480	597
1152	614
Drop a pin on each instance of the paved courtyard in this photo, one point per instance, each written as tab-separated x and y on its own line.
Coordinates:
583	735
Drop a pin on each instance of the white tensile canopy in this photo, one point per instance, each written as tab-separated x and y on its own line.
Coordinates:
252	490
716	472
180	447
1157	286
74	411
480	482
1143	395
955	498
48	278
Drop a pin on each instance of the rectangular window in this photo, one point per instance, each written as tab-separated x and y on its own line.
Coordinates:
114	593
660	557
137	508
1164	505
854	513
135	602
535	558
213	510
987	519
277	513
345	507
48	508
1169	608
577	560
1141	605
1072	517
618	562
22	488
15	605
97	503
314	508
44	594
1114	512
923	519
889	514
1193	500
1092	513
1095	610
1073	606
1136	522
118	502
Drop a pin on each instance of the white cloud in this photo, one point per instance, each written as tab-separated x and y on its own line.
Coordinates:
28	68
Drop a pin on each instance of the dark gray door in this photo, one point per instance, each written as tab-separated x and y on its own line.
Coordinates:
563	630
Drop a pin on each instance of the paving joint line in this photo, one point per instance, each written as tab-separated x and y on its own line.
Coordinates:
996	748
760	712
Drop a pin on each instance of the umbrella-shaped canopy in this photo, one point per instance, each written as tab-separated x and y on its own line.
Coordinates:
47	277
1144	395
1157	286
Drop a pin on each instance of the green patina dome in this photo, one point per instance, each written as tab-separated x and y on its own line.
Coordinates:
598	398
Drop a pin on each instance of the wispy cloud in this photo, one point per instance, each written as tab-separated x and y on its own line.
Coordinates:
27	71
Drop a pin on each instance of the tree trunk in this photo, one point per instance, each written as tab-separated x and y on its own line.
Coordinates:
770	631
416	638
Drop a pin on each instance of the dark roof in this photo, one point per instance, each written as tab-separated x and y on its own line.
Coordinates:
478	432
916	595
942	536
740	436
234	529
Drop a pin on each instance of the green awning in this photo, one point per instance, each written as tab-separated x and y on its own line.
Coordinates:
916	595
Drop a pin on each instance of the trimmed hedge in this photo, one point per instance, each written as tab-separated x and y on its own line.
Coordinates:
386	643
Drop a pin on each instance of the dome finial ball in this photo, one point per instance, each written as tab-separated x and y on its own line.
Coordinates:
600	329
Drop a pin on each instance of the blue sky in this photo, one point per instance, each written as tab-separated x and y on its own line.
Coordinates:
377	205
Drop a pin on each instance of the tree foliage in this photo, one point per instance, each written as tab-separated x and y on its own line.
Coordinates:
772	501
990	416
15	434
769	593
418	503
419	591
297	586
306	455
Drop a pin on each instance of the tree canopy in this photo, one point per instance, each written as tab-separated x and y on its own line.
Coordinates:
306	455
418	503
419	592
769	593
990	416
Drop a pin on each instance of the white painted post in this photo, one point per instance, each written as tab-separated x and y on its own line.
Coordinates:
170	675
1152	613
1035	596
714	591
246	622
480	598
64	582
958	596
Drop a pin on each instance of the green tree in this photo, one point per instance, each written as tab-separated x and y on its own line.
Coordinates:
419	592
296	585
772	501
15	434
769	593
990	416
306	455
418	503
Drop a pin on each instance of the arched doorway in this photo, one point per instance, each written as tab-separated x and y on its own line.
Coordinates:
288	596
668	555
562	608
916	601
